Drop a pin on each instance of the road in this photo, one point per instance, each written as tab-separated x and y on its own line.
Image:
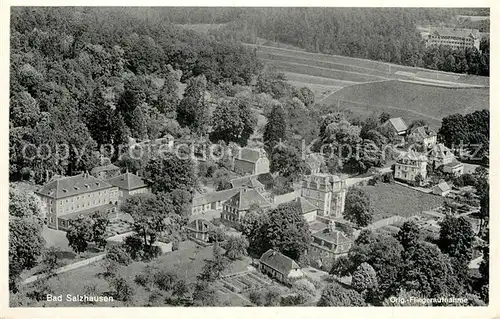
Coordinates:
364	177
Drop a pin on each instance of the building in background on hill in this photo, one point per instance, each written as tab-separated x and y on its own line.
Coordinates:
409	166
398	125
128	184
455	38
251	161
68	198
423	135
280	267
325	191
105	172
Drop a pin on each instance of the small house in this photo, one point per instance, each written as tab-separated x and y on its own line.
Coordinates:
251	161
398	125
441	189
455	168
280	267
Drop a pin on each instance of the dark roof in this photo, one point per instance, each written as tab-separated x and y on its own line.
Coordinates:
440	151
214	197
250	154
278	262
127	181
247	197
73	185
332	236
398	124
109	167
246	181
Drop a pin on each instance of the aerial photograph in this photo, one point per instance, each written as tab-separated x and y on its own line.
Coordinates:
248	157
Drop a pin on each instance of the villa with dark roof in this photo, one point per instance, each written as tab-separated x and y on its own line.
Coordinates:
128	184
328	243
280	267
440	155
251	161
68	198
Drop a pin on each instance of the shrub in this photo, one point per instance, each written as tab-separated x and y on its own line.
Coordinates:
155	298
164	280
146	278
257	298
388	178
122	289
151	252
293	300
134	246
119	254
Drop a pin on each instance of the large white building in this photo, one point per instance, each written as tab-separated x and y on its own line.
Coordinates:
325	191
454	38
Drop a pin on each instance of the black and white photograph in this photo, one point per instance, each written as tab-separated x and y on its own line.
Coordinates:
248	156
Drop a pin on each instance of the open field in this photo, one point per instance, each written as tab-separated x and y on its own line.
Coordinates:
392	199
382	69
410	100
187	263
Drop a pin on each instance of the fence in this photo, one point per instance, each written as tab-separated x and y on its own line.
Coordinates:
66	268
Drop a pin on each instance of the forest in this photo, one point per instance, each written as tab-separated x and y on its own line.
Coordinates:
87	77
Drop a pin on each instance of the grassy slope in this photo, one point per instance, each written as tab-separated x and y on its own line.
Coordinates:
392	199
412	101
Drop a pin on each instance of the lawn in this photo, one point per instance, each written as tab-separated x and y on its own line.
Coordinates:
428	102
187	263
392	199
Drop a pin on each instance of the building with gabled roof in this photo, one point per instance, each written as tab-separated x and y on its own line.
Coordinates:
397	124
411	165
199	228
423	135
455	38
251	161
455	168
77	195
211	201
235	208
440	155
280	267
128	184
441	189
247	181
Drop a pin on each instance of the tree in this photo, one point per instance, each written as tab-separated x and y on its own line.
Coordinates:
383	253
50	261
286	161
456	237
304	289
149	215
250	221
25	247
204	294
25	205
193	109
276	126
171	172
417	123
408	234
306	96
123	290
428	271
358	207
341	266
79	234
213	268
285	230
334	295
236	247
100	223
222	178
384	117
181	202
364	278
233	121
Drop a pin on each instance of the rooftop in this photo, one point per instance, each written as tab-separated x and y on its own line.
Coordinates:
398	124
278	261
208	198
73	185
127	181
422	132
456	32
200	225
442	187
86	212
246	198
332	236
251	154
